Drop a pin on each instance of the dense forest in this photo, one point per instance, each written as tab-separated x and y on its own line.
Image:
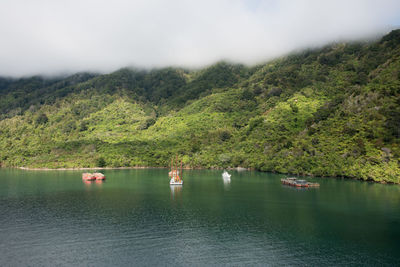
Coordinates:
331	111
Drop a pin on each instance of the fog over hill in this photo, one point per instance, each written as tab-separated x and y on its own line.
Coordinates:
53	37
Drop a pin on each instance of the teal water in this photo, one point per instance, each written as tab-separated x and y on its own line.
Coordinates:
50	218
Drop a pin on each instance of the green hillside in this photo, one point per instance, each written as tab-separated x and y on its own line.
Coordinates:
333	111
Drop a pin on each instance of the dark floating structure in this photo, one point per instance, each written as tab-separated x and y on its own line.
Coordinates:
292	181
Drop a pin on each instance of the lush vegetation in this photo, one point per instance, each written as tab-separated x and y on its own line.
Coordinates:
333	111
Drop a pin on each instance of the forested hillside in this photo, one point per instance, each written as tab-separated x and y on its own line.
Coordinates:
333	111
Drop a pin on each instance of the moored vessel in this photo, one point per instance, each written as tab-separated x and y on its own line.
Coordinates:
93	176
88	176
301	183
288	180
292	181
99	176
226	175
175	174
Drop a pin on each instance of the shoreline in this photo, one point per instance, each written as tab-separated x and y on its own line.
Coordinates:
85	168
197	168
119	168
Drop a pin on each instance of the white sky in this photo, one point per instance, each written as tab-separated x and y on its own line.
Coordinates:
55	36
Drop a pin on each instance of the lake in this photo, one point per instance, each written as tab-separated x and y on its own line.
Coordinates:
135	217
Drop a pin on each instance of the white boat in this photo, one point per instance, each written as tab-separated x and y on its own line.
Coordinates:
226	175
175	182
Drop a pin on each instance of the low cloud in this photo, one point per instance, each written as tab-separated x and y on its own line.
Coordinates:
51	37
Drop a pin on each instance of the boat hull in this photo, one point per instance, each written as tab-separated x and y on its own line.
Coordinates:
298	183
173	182
93	176
88	177
176	183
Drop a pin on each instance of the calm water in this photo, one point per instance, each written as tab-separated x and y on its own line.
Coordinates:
136	218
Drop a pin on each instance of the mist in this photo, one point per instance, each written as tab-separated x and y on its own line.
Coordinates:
50	37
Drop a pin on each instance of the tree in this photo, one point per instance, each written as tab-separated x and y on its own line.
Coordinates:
42	119
101	162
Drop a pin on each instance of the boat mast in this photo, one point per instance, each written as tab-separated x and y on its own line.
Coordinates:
176	164
181	171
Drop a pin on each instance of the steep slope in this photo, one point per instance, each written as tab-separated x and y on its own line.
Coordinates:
333	111
16	96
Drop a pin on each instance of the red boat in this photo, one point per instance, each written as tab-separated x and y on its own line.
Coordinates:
99	176
88	176
301	183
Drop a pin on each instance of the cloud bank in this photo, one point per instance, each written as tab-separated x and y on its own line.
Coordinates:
54	36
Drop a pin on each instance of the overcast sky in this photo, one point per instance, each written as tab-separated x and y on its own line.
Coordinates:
55	36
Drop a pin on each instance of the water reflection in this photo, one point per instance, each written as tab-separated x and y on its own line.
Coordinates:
87	182
176	190
295	188
227	182
257	221
99	183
